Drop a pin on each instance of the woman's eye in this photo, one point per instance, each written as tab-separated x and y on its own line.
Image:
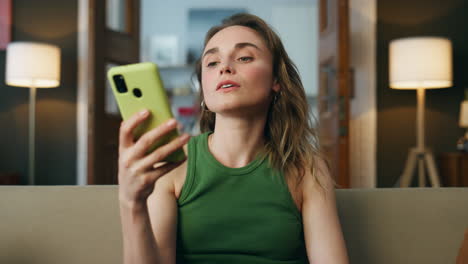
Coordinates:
245	59
211	64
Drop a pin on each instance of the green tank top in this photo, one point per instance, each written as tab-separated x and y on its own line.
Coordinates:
236	215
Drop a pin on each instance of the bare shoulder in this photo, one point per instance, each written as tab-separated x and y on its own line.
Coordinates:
311	184
178	178
174	180
180	173
320	183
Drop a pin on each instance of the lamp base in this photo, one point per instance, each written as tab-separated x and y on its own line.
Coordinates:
424	159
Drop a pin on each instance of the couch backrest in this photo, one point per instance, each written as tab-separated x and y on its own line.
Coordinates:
60	224
76	224
403	225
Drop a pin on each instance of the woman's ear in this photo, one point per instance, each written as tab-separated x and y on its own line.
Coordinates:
276	86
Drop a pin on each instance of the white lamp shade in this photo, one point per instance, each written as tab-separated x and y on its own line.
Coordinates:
420	62
464	114
30	64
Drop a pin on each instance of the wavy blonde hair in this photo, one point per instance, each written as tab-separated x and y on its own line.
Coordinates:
291	142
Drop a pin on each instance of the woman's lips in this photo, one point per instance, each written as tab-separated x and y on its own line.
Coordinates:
229	89
227	82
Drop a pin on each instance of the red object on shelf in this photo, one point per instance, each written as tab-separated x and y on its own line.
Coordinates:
186	111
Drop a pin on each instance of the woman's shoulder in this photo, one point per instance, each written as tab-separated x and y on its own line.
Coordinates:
318	181
173	181
179	174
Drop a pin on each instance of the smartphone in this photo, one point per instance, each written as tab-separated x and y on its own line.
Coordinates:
137	87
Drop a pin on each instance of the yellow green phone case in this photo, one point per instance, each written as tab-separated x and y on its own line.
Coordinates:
145	90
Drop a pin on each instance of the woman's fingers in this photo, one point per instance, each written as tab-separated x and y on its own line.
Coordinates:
149	138
127	127
137	186
163	151
136	173
163	170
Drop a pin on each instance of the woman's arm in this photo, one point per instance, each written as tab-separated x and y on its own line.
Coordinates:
139	244
322	230
150	232
139	182
162	208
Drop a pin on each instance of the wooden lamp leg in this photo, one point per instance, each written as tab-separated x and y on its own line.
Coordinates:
420	155
410	166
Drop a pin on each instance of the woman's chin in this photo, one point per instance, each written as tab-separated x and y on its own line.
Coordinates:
224	110
239	109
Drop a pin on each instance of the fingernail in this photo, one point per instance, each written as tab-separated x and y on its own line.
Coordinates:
171	122
144	112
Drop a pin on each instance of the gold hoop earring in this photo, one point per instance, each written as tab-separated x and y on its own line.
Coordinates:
203	106
275	98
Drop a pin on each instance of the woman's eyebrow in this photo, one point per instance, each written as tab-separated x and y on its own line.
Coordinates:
237	46
246	44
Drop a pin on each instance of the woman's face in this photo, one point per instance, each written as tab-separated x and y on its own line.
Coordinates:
237	72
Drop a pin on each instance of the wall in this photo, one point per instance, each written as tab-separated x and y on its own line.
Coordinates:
171	18
396	108
54	22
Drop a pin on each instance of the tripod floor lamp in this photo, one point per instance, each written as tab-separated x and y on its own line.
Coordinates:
420	63
33	65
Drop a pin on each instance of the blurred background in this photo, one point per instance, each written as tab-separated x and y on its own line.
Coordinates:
341	49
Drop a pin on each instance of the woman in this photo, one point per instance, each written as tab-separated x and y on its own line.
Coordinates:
253	188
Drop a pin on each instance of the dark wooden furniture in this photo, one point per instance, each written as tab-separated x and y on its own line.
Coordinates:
105	47
453	169
9	178
334	95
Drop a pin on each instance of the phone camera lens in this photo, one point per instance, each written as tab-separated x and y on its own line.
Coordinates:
120	83
137	92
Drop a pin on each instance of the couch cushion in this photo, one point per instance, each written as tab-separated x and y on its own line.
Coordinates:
403	225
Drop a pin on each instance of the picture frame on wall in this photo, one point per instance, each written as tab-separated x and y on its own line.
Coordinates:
163	50
5	23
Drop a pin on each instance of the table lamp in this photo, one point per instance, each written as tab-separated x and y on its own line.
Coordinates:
33	65
420	63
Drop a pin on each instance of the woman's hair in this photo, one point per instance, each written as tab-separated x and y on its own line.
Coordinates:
291	143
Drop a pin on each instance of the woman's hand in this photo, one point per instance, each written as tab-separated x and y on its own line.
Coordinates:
138	172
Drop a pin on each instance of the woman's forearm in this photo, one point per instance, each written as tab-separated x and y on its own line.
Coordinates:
139	244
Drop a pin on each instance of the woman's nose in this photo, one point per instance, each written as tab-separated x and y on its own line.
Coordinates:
226	68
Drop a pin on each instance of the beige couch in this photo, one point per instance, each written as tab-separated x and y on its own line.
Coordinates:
72	224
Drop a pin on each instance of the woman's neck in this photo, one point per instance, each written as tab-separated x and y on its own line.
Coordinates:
235	141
